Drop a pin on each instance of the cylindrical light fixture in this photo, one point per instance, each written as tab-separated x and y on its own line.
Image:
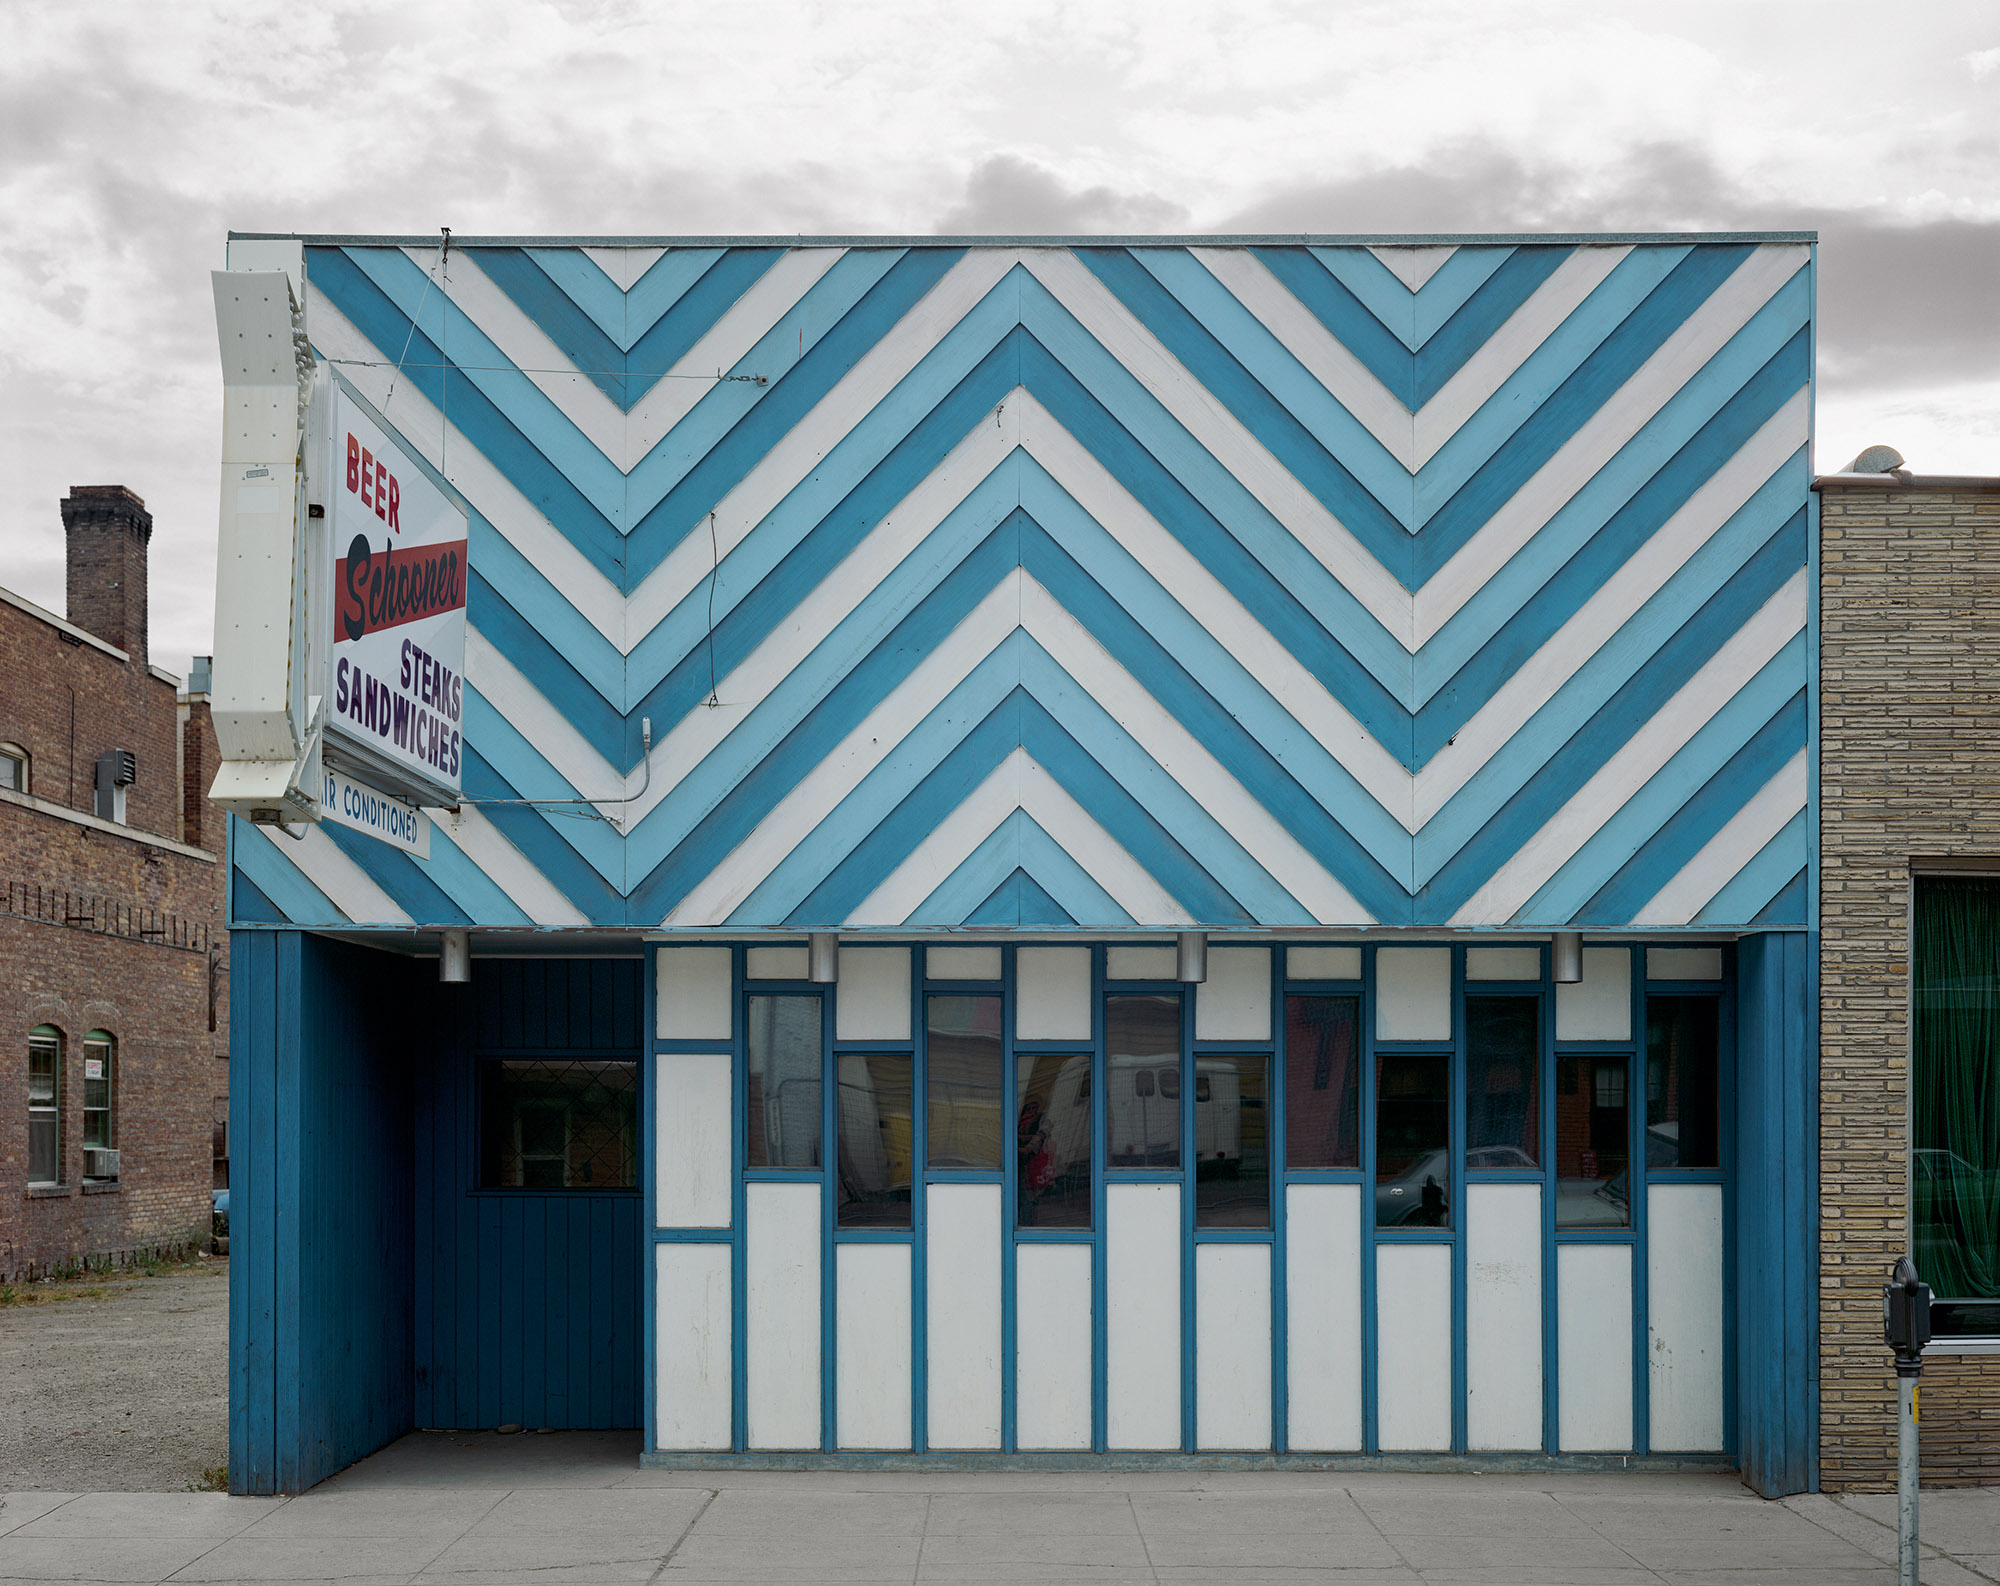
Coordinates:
1569	957
823	958
1191	966
454	957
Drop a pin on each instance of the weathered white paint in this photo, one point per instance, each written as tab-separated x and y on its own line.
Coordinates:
1323	963
692	1173
693	994
962	1310
1683	963
782	1314
1234	1002
1594	1348
1503	963
1413	1347
693	1386
1684	1324
1413	994
1599	1006
1052	994
962	963
872	1000
872	1346
1503	1316
1232	1350
1139	963
775	963
1052	1346
1323	1317
1142	1344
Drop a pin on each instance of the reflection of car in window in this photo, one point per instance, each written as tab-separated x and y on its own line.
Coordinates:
1417	1197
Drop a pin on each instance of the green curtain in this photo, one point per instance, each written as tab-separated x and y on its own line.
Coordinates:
1955	1086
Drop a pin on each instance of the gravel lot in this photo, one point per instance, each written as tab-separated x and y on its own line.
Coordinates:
124	1393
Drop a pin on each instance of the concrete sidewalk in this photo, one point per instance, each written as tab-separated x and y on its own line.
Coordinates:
570	1510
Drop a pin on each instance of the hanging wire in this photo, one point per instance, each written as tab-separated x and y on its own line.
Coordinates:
410	335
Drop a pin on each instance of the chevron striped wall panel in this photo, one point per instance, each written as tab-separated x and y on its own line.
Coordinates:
1232	586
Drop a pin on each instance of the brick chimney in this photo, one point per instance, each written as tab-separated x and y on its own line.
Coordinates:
109	528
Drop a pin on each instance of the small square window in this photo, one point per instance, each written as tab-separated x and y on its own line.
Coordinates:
560	1124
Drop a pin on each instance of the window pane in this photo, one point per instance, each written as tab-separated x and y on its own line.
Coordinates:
1503	1041
876	1141
1232	1155
1052	1141
42	1137
41	1071
1413	1140
962	1082
1322	1082
1683	1111
553	1123
1593	1178
785	1086
1142	1081
1955	1098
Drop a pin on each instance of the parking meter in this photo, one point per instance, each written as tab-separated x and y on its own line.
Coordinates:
1906	1323
1906	1313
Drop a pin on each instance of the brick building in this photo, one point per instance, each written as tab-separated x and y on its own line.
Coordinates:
111	894
1910	839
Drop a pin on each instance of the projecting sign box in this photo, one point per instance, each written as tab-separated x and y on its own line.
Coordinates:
395	700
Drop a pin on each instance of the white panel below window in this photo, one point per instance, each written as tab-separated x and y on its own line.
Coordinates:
1052	1346
693	1385
1594	1348
1413	1347
692	994
1684	1296
692	1174
1683	963
1142	1274
1234	1003
1052	994
872	1346
1323	1317
1232	1349
1599	1006
962	1344
872	1000
1503	1317
782	1315
1413	994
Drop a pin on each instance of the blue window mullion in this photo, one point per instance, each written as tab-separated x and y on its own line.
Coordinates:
1010	1166
1635	1176
739	1200
829	1290
1456	1159
1275	1197
1099	1330
919	1230
1188	1430
1370	1421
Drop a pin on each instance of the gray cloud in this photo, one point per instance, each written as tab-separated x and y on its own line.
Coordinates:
1901	305
1007	193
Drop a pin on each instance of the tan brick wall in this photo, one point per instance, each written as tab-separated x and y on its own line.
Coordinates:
1909	771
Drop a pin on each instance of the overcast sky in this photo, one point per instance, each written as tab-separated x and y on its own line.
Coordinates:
133	136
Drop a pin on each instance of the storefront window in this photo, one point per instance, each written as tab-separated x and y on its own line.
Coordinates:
1322	1082
1503	1041
1232	1156
1593	1177
1683	1112
1052	1141
559	1124
1142	1081
876	1140
1412	1140
785	1086
1955	1100
962	1109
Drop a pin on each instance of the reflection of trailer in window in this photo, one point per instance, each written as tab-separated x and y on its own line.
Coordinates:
1144	1100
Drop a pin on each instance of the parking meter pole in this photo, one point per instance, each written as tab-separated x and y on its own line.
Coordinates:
1906	1325
1906	1471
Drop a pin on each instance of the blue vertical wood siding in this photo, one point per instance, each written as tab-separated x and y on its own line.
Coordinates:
320	1303
526	1301
1777	1248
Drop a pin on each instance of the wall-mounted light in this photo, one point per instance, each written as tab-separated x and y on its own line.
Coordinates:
1191	965
1569	957
454	957
823	958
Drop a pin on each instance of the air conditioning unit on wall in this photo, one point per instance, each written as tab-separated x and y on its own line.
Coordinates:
98	1162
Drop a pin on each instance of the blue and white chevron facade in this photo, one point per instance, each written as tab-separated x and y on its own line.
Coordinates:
1219	585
